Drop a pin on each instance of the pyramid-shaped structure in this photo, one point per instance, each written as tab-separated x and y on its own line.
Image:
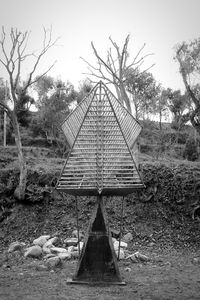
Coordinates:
102	136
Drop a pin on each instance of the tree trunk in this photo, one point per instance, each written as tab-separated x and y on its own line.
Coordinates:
195	122
20	190
125	97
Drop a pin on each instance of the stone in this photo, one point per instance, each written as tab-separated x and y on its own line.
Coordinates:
133	258
49	255
114	240
81	246
70	248
53	262
41	268
141	257
41	240
121	253
75	234
51	242
15	246
74	254
114	233
71	242
196	260
46	250
65	256
127	237
57	250
151	244
34	251
127	269
122	245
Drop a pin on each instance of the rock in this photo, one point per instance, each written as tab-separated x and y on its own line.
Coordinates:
49	255
41	268
53	262
141	257
122	245
34	251
57	250
71	242
121	253
127	237
196	260
114	240
74	254
41	240
75	234
114	233
51	242
133	258
151	244
65	256
127	269
46	250
15	246
81	246
70	248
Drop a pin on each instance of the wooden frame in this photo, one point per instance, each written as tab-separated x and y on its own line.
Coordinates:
102	135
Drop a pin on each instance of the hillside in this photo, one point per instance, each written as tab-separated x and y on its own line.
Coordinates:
163	219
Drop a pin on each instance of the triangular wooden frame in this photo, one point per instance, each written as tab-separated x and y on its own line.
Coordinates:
102	136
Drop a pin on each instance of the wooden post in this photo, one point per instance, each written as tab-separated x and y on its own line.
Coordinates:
121	225
77	221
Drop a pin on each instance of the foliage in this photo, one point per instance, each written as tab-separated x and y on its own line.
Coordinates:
55	98
179	105
188	57
173	185
85	88
144	90
191	151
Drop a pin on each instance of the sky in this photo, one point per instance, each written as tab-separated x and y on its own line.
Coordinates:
160	24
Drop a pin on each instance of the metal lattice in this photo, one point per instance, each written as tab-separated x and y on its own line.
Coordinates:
102	136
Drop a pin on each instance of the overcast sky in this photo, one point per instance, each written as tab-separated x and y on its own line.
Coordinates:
159	23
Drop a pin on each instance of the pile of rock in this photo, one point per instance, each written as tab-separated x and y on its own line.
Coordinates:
54	252
51	249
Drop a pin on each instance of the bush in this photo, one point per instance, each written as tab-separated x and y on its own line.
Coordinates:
191	150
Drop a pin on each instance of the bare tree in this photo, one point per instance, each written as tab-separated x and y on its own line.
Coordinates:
115	67
12	60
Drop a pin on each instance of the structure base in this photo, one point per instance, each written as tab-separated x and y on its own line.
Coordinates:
98	261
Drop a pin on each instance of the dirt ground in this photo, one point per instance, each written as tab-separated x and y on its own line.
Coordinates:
169	275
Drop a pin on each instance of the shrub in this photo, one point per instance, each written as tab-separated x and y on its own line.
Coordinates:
191	150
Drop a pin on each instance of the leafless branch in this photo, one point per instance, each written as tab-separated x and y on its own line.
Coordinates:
40	76
47	44
103	62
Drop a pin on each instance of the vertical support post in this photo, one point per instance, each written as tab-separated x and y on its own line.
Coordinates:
77	222
121	225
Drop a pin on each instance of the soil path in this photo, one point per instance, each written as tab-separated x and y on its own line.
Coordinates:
169	276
